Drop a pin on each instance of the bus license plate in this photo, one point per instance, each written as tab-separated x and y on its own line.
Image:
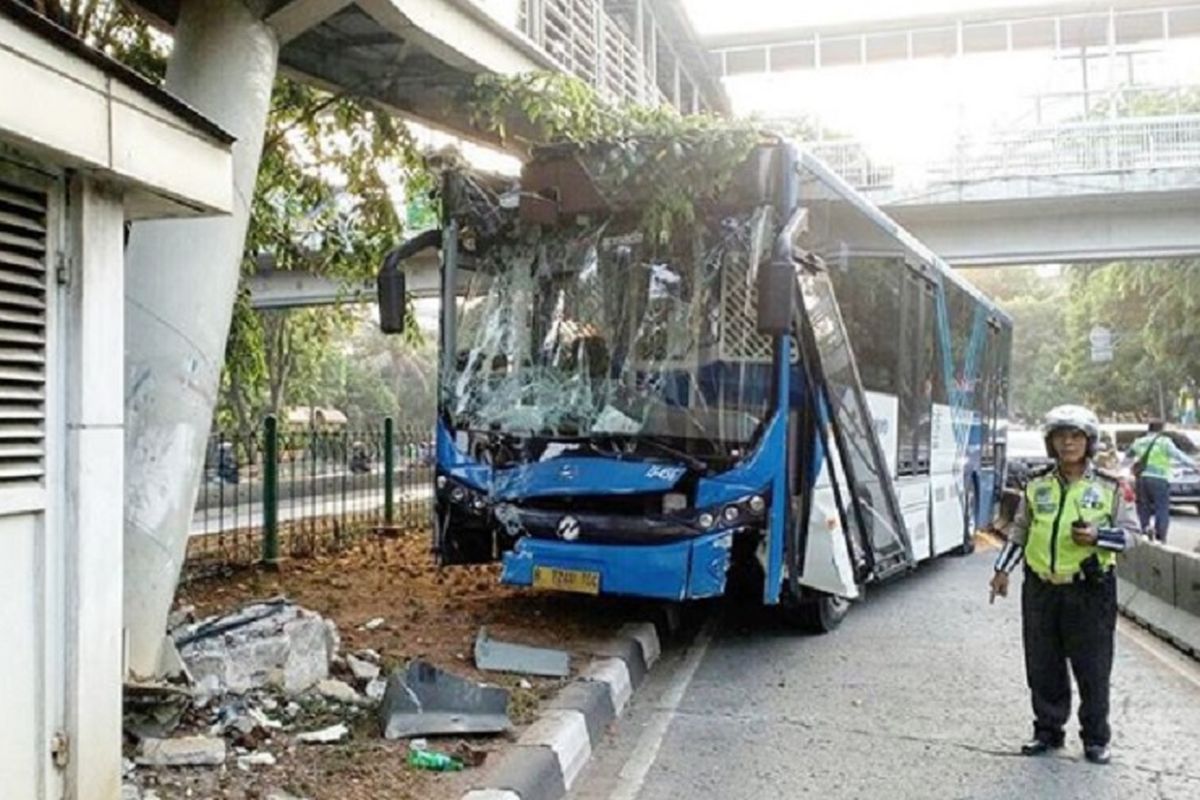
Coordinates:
566	580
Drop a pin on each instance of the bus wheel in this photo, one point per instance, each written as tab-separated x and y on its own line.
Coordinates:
968	544
821	612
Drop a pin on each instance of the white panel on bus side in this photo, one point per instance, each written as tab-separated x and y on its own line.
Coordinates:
827	565
947	514
913	492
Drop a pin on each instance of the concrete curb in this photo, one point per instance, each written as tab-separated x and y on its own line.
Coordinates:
551	754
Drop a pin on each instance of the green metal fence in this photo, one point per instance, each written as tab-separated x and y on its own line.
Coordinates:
276	492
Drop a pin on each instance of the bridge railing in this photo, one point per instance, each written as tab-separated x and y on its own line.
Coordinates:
591	44
1119	145
1082	148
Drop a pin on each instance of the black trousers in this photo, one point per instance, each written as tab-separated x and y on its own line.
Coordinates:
1075	624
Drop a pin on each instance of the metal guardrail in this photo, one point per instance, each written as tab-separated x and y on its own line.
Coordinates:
1132	144
279	493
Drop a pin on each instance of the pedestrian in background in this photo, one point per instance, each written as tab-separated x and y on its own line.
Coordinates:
1071	522
1153	455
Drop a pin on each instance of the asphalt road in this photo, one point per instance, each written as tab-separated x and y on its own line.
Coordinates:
919	695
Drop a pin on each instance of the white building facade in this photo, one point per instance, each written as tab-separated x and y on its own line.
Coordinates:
85	147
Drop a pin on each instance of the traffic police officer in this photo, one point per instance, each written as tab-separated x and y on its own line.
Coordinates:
1071	522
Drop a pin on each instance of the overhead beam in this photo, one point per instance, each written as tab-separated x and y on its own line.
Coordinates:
285	289
298	16
460	34
1057	231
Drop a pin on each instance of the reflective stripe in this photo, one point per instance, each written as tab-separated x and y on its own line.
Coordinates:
1008	558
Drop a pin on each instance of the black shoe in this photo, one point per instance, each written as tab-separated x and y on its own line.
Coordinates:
1097	753
1037	747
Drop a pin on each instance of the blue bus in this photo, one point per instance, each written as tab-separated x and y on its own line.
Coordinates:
791	388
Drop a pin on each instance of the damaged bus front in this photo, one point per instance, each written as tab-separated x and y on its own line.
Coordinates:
628	414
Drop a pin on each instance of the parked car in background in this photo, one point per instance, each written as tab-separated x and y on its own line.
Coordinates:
1185	479
1026	453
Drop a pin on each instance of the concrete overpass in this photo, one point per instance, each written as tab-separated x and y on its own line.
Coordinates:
415	56
1060	26
1091	191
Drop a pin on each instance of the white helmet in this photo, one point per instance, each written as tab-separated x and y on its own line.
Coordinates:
1070	417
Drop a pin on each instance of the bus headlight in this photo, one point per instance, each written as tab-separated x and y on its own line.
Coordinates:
758	504
442	481
730	514
458	494
706	520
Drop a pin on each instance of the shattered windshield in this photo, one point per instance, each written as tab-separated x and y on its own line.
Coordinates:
583	330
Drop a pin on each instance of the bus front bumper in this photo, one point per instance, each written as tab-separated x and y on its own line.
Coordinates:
681	570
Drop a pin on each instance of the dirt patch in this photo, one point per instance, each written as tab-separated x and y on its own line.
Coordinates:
428	613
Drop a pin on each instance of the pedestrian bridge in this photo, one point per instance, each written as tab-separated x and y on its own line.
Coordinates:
1087	191
414	57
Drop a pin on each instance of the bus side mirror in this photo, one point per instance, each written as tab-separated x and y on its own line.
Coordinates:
776	292
393	300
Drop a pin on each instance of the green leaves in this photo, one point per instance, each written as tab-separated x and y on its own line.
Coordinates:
674	162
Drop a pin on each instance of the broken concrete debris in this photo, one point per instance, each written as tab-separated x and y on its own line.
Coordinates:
426	700
339	692
276	644
498	656
260	759
334	733
154	709
184	751
374	623
362	669
375	689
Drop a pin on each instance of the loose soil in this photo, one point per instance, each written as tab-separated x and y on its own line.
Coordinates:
429	613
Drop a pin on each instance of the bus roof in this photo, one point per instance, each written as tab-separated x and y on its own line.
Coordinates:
839	186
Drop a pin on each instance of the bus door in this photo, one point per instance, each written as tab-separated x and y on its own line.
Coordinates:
866	498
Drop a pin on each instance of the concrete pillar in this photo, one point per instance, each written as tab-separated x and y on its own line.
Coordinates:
182	280
93	343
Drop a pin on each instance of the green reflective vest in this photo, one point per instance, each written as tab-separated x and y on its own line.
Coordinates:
1158	463
1053	506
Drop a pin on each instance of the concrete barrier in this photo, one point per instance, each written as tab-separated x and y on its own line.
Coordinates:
1159	587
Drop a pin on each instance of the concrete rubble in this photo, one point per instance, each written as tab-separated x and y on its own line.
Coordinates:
274	644
362	669
250	760
339	692
376	689
184	751
334	733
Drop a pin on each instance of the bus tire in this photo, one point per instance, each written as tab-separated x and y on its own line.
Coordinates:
968	543
821	612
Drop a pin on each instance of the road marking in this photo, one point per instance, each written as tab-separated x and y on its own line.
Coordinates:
633	775
1162	652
